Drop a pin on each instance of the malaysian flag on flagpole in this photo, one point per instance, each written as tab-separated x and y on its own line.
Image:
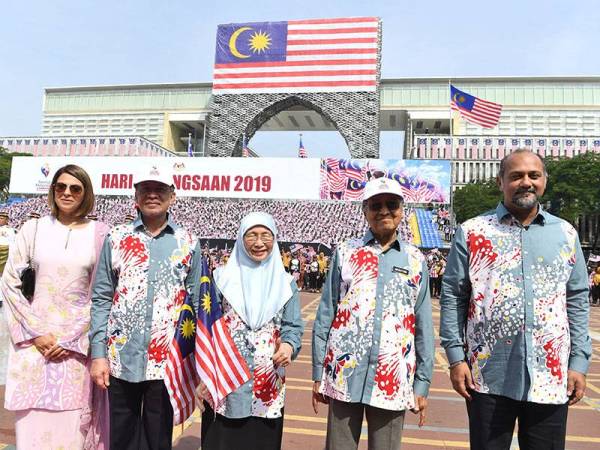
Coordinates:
190	148
245	150
301	150
475	110
319	55
181	378
219	363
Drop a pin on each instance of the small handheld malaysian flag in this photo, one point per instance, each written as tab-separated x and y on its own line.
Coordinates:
181	378
219	363
475	110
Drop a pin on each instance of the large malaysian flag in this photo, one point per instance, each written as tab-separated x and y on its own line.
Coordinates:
475	110
319	55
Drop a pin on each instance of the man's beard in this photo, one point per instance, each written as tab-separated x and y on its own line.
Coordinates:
525	201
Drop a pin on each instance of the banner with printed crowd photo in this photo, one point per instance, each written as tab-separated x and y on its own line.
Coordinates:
422	181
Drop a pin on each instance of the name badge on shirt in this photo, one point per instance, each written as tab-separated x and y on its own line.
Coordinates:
401	270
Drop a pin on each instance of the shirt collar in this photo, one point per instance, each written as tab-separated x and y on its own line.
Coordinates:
369	239
138	223
504	214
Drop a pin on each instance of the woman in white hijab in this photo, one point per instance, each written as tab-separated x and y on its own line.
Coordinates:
262	307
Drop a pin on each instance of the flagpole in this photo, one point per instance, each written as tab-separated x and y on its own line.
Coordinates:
450	97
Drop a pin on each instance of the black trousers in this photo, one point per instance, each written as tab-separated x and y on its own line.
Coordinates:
249	433
141	416
492	422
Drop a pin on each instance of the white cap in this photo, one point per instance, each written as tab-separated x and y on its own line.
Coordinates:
154	173
382	185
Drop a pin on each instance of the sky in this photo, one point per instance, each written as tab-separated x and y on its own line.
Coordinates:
87	42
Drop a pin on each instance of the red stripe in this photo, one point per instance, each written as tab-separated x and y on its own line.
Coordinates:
223	330
293	84
321	62
304	73
331	41
175	381
226	364
333	51
339	20
335	31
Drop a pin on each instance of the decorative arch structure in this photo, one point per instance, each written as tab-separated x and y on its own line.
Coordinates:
354	114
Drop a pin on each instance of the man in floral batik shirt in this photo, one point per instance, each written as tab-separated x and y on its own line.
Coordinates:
145	271
373	337
514	320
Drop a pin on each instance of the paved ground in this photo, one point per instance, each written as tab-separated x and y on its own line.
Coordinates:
446	424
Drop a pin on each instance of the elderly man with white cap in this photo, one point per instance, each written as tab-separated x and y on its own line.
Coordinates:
373	335
145	271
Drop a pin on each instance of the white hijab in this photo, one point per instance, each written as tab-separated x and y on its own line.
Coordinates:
255	290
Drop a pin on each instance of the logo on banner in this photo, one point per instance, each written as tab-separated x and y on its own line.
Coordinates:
45	169
178	167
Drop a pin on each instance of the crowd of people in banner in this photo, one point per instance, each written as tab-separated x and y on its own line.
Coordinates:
116	331
217	218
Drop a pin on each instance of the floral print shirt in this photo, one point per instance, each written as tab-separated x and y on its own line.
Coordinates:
264	394
515	302
373	332
140	284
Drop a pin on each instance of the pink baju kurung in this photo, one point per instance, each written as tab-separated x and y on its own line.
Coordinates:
43	392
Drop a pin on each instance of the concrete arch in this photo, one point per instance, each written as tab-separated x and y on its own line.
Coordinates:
354	114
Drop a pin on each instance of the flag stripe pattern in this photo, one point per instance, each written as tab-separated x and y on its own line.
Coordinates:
329	55
302	151
219	363
181	378
475	110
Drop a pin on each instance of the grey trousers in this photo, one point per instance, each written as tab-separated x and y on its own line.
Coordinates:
344	424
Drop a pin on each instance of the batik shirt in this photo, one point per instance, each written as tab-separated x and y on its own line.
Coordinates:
140	283
373	333
515	305
264	394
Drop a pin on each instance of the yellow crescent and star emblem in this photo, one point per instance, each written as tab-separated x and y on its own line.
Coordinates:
258	42
458	98
188	328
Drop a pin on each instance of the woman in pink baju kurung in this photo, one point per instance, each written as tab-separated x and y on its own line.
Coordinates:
50	388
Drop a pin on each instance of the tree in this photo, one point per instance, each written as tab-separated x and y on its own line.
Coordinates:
475	198
574	189
574	186
5	166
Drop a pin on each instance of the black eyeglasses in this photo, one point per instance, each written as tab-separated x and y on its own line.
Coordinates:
74	189
392	205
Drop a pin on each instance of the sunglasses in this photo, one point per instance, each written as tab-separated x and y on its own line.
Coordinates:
392	205
75	189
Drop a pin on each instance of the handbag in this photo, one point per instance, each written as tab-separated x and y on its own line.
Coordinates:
28	275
